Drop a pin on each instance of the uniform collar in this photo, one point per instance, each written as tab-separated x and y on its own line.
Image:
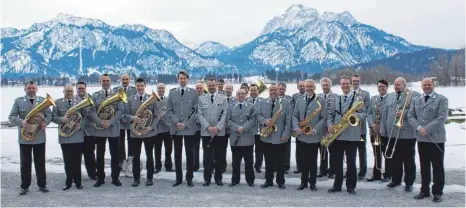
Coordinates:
244	103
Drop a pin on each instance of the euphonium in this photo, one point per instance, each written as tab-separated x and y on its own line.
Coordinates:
145	114
266	131
349	119
74	117
106	111
304	124
35	118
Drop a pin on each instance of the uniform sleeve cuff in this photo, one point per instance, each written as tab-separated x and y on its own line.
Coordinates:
419	127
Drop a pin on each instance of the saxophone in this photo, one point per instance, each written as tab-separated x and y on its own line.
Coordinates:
145	114
35	118
304	124
266	131
74	117
349	119
106	111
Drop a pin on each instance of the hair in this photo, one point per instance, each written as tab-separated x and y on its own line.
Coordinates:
402	80
30	82
105	75
282	84
297	83
83	83
326	79
345	77
245	85
67	85
240	90
253	85
141	80
382	81
221	81
310	80
160	83
183	72
355	75
211	80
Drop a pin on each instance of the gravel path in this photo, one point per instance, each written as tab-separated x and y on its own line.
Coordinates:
163	194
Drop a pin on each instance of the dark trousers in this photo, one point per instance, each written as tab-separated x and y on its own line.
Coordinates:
287	157
213	153
362	152
136	143
114	160
124	135
238	153
296	155
404	156
26	153
196	146
89	156
178	144
308	157
224	144
387	162
274	156
167	141
72	158
338	150
324	160
430	155
259	152
377	151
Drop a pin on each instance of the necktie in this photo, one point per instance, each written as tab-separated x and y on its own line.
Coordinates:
254	100
381	98
398	95
106	93
212	98
140	98
161	98
240	106
32	101
325	96
345	98
69	103
228	100
182	92
308	100
126	89
426	98
273	105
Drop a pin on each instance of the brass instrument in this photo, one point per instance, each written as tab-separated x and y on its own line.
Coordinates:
398	122
349	119
145	114
304	124
266	131
74	118
162	112
377	133
261	86
34	120
106	111
206	90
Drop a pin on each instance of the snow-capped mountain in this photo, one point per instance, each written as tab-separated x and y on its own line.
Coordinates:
212	48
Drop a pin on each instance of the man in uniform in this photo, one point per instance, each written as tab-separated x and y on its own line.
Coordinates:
274	144
428	114
325	157
211	114
258	151
229	93
220	87
21	107
163	134
282	95
197	141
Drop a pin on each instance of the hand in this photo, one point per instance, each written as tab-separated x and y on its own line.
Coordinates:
330	129
43	125
136	119
398	113
24	124
298	131
211	129
240	130
284	139
313	132
178	125
215	130
78	126
64	119
105	124
268	123
146	130
423	131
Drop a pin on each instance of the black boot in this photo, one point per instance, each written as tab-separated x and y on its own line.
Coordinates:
302	186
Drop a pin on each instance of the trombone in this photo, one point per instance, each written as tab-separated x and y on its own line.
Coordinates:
398	122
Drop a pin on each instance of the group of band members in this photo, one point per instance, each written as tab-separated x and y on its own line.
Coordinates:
213	116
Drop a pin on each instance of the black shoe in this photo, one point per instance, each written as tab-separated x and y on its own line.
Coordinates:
251	184
157	171
296	171
437	198
67	187
281	186
321	174
331	175
206	183
371	179
232	184
333	190
258	170
23	191
313	187
266	185
344	176
190	184
286	171
43	189
94	178
79	187
135	183
360	177
351	191
386	179
171	170
392	185
219	183
177	183
149	182
421	196
409	188
302	186
99	183
116	182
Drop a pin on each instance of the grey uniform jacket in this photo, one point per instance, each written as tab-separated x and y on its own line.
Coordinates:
20	109
212	114
287	97
114	129
294	98
182	109
60	110
372	113
302	110
130	91
329	100
164	124
283	121
231	101
351	133
256	102
88	122
242	117
366	97
132	107
430	115
389	115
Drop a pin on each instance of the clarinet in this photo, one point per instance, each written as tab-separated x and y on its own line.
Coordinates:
238	136
186	119
213	136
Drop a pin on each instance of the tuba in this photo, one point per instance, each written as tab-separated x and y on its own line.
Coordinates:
106	111
145	114
74	117
35	118
266	131
304	124
349	119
